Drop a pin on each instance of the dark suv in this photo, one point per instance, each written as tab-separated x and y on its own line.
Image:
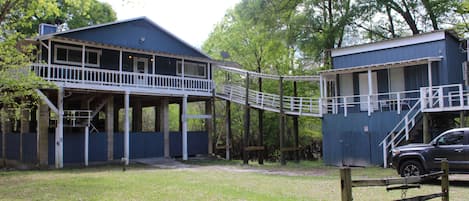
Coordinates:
417	159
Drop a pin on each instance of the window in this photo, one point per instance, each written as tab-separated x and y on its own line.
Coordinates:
72	55
451	139
192	69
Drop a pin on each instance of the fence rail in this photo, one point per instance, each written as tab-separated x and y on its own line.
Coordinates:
346	183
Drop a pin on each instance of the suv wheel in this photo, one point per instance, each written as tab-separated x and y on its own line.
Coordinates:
411	168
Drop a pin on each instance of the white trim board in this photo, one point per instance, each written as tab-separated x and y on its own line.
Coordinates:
411	40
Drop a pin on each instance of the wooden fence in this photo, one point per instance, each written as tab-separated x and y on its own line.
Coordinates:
405	183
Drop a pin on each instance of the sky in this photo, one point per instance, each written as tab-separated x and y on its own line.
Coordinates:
190	20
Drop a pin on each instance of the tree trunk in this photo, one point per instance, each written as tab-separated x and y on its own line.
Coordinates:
431	14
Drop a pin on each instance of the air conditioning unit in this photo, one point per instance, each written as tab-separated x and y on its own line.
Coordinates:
47	29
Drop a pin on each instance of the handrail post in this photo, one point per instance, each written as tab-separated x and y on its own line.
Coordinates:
461	97
440	97
398	103
346	184
445	180
423	101
345	106
406	126
385	154
369	105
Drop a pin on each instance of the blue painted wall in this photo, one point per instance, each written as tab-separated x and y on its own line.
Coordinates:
430	49
197	143
13	147
454	58
129	34
348	144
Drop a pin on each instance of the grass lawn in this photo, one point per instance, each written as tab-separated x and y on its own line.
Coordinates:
203	181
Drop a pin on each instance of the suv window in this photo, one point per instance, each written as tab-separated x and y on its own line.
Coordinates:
455	138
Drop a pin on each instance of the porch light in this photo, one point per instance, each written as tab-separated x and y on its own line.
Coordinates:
130	56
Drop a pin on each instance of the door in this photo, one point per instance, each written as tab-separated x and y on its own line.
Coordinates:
452	146
140	67
363	89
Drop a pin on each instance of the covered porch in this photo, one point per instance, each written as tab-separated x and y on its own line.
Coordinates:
393	86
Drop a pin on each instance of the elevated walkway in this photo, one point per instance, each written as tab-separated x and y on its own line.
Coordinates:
291	105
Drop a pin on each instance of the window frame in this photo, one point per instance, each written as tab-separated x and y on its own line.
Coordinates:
87	51
179	62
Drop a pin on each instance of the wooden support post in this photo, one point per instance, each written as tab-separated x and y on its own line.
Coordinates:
247	119
157	119
126	127
184	128
164	125
116	118
462	119
59	131
214	123
261	124
426	125
228	129
209	125
295	127
110	128
445	180
346	184
137	115
24	128
4	123
43	134
282	123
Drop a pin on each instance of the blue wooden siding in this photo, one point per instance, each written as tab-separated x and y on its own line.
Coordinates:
13	147
430	49
349	144
454	59
129	34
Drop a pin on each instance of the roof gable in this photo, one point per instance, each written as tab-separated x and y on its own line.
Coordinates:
139	33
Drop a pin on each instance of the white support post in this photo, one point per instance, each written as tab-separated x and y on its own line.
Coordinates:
345	106
59	130
385	155
182	75
49	57
370	91
83	54
440	97
461	97
406	119
153	65
429	69
126	127
184	128
322	94
120	67
398	103
87	133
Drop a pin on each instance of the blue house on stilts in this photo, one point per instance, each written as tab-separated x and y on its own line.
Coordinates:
392	92
106	74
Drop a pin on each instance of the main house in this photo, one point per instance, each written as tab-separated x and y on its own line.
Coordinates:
392	92
105	70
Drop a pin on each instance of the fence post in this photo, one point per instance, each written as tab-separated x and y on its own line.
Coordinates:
445	180
346	184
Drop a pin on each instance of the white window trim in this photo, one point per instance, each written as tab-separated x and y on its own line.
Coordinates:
77	49
191	75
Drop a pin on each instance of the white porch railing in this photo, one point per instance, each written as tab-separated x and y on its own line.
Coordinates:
392	101
444	98
70	74
304	106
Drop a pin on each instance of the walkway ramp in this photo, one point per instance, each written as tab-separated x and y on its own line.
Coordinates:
295	106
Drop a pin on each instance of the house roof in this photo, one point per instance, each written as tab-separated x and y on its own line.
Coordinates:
395	42
135	33
411	62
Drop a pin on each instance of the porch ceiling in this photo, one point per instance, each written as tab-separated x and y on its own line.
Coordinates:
404	63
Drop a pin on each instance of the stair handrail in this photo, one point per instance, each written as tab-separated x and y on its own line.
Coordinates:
400	127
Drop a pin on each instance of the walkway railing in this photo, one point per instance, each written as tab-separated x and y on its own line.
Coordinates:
444	98
78	75
304	106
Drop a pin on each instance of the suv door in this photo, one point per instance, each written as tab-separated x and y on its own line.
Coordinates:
453	147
